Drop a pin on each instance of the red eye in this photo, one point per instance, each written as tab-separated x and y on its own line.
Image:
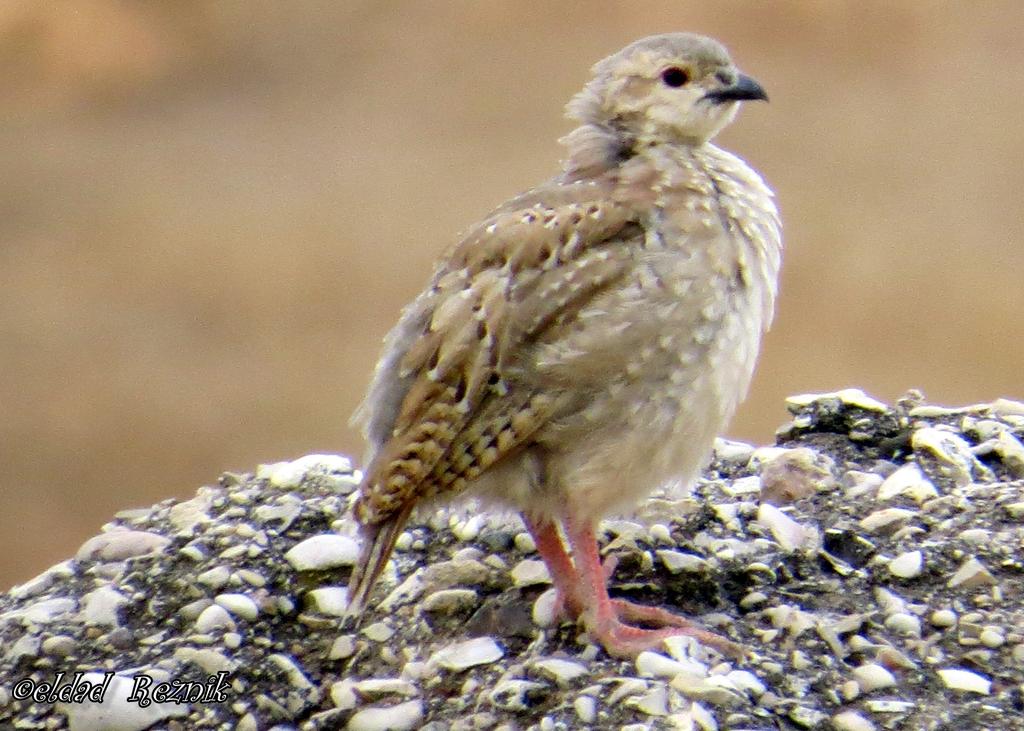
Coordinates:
675	77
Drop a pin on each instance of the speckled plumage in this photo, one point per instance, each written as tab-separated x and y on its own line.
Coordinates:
587	341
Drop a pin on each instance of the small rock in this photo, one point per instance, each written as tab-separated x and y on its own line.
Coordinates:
214	617
378	632
965	681
467	654
450	601
239	605
529	572
908	480
943	618
100	607
400	717
118	545
971	575
677	561
329	600
789	534
325	551
907	565
586	708
852	721
872	677
563	672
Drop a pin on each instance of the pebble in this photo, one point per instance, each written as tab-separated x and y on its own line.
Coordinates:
470	529
854	397
100	607
886	520
789	534
378	632
965	680
208	660
215	578
400	717
907	565
655	665
529	572
214	617
943	618
793	474
384	686
871	676
325	551
544	608
992	638
677	561
524	543
563	672
903	624
653	703
467	654
343	647
450	601
908	480
240	605
586	708
953	454
852	721
118	545
329	600
116	712
59	646
971	575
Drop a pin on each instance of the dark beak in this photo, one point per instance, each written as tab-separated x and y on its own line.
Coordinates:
744	90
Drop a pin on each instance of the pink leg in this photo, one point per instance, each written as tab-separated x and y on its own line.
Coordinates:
603	616
563	573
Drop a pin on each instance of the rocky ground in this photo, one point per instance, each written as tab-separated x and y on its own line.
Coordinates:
872	562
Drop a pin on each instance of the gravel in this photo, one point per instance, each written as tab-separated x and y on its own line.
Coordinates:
871	562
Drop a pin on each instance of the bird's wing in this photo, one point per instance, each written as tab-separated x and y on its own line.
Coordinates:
443	407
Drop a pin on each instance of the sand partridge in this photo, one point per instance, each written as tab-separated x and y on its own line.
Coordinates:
586	341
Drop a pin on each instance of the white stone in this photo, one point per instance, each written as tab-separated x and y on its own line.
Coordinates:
400	717
215	578
654	702
239	605
653	664
943	618
907	565
971	575
329	600
214	617
886	519
563	672
965	680
384	686
849	396
529	572
954	454
749	485
872	676
852	721
378	632
467	654
586	708
324	551
677	561
544	612
118	545
470	529
100	606
116	712
789	534
908	480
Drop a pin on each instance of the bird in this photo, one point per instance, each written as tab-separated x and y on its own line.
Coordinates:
585	342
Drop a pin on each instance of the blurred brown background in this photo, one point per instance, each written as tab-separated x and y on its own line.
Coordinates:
211	212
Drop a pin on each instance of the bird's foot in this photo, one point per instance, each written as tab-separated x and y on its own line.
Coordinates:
617	633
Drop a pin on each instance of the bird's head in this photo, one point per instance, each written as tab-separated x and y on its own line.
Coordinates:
677	88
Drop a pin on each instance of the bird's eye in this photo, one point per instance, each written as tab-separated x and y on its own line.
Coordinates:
675	77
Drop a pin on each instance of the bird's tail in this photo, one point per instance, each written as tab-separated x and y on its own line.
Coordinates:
378	543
